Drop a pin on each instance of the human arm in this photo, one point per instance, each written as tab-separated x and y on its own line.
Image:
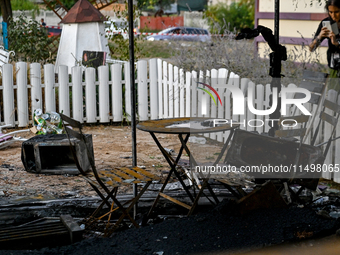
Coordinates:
324	32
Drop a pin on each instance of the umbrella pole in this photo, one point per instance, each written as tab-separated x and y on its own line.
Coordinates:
133	96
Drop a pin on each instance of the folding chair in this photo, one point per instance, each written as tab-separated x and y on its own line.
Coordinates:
8	138
315	83
259	151
330	113
107	182
298	129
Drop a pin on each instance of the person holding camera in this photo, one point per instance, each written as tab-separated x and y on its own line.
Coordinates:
333	52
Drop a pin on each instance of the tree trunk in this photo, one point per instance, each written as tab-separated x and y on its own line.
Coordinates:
6	10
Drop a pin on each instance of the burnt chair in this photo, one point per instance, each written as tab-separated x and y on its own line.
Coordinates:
329	115
107	182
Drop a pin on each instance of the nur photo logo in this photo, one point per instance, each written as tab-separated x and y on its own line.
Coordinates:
238	98
204	102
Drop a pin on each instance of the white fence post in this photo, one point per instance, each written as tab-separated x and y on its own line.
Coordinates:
193	94
90	95
8	94
22	94
142	78
36	94
200	94
49	79
249	114
104	96
259	103
171	90
154	111
77	93
64	91
127	90
160	88
117	92
213	107
166	97
188	93
176	92
181	93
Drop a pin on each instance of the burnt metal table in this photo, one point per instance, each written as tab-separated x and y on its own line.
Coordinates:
184	127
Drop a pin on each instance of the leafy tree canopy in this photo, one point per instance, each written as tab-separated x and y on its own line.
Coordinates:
23	5
237	15
31	41
154	4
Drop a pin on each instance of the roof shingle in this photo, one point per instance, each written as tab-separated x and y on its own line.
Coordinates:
83	11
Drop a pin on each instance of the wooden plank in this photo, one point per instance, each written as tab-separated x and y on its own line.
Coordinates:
142	85
117	92
181	94
112	175
290	132
176	92
188	99
119	173
64	90
194	94
146	173
127	91
49	79
22	93
90	92
298	119
313	100
77	93
250	116
36	92
153	89
134	174
175	201
260	106
331	105
328	118
213	107
222	83
316	87
160	88
104	96
165	90
314	76
8	94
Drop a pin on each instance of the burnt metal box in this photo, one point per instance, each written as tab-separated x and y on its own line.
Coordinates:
51	154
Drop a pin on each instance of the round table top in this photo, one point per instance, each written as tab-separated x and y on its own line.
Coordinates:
192	125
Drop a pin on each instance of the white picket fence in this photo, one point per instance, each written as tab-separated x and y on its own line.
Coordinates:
163	91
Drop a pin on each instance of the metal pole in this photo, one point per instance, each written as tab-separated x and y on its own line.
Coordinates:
133	96
276	71
277	21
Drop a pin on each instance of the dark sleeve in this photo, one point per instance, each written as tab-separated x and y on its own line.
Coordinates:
319	30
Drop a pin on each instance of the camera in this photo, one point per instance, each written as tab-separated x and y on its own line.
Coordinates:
336	63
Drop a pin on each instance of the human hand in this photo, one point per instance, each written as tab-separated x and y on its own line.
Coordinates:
324	33
333	39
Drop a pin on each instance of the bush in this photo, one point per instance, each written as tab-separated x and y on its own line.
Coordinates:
28	40
234	16
241	58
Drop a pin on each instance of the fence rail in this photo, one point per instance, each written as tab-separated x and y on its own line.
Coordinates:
163	91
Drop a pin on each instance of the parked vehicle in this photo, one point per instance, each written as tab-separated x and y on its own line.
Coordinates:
182	34
118	28
53	31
